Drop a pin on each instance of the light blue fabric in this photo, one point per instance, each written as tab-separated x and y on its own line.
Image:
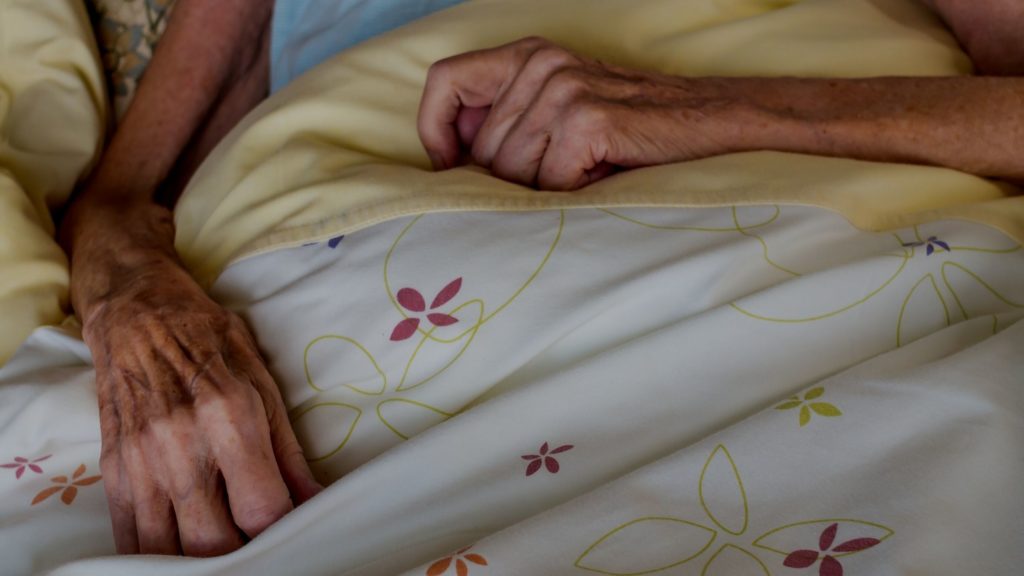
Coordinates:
304	33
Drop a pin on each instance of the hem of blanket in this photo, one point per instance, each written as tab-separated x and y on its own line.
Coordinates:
988	214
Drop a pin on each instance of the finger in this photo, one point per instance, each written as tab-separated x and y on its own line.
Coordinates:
120	503
471	80
184	470
156	527
520	155
205	527
235	422
577	153
288	452
562	109
541	64
469	122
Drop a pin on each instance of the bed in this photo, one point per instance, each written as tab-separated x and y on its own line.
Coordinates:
755	364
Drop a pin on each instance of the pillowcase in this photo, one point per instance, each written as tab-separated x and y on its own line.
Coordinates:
52	117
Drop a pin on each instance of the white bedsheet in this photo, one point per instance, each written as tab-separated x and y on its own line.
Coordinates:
713	391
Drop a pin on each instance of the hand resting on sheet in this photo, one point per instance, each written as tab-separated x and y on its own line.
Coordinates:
197	449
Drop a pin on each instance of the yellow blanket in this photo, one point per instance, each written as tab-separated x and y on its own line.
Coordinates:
52	118
338	150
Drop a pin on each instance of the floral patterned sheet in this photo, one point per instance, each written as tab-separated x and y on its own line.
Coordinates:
758	390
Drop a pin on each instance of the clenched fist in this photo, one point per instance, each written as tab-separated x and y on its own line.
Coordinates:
539	115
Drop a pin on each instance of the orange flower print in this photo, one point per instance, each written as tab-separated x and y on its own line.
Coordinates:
459	559
67	488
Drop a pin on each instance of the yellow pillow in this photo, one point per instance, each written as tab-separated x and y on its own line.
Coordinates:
52	117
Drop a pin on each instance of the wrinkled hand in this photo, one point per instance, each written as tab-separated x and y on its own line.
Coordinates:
197	447
539	115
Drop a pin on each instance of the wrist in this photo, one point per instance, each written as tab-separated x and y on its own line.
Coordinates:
709	116
114	248
756	114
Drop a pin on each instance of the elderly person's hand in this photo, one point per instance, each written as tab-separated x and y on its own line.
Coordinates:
198	453
539	115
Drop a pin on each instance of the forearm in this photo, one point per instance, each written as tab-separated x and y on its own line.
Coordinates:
208	46
115	225
971	124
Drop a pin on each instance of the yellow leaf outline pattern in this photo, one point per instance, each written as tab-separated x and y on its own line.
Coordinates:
324	405
709	568
426	336
907	252
735	549
361	348
721	451
620	530
737	227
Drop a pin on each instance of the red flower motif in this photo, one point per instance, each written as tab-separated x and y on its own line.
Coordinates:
22	463
459	559
545	459
829	565
67	488
412	300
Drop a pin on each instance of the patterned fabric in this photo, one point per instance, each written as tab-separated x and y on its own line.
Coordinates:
735	391
128	31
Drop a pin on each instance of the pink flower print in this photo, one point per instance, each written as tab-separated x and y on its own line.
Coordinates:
829	565
412	300
545	459
20	464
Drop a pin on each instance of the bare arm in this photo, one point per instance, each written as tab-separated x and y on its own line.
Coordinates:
197	449
536	114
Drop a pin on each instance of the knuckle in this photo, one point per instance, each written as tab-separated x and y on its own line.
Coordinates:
191	478
254	519
441	70
566	85
551	56
588	117
221	404
234	414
